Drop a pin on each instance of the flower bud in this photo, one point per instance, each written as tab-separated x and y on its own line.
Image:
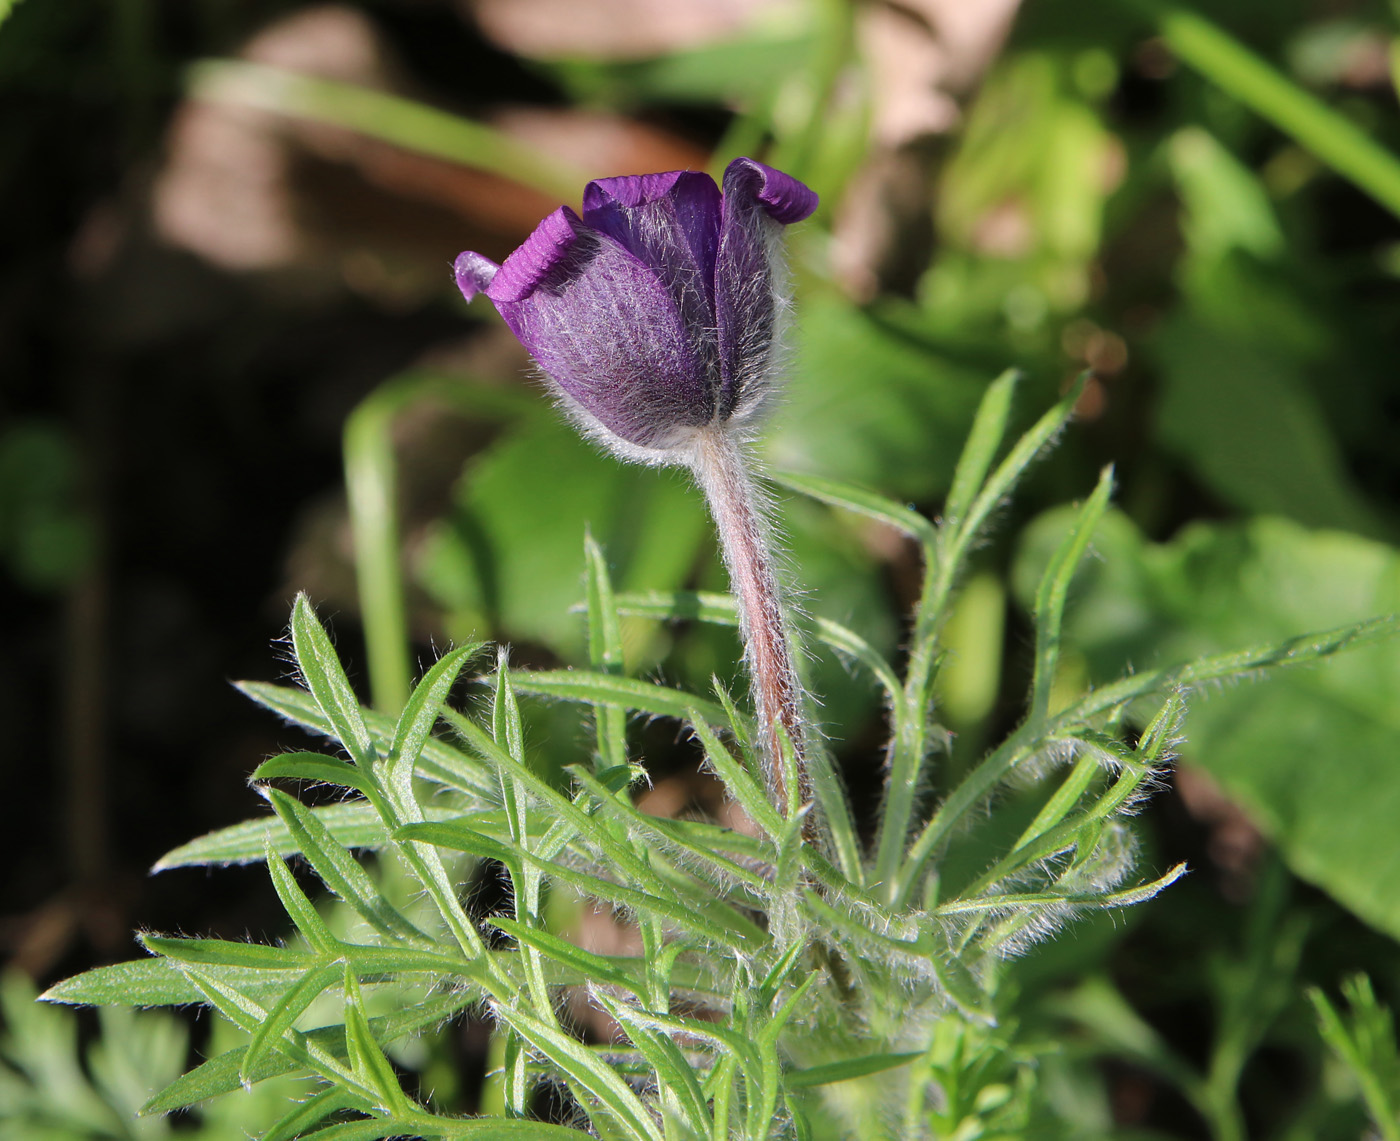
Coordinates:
656	314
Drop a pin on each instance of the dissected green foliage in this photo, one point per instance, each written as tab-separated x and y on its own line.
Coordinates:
783	987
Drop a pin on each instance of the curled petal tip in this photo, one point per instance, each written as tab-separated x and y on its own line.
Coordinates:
473	272
543	251
782	197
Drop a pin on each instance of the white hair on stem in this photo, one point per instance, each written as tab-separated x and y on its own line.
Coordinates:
744	533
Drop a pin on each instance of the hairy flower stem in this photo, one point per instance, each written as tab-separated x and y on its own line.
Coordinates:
744	535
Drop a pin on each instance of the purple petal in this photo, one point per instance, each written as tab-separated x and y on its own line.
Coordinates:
530	265
669	222
474	273
757	201
605	329
784	198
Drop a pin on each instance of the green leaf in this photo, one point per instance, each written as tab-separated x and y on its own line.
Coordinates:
352	824
738	781
1365	1043
220	1074
300	910
339	870
1299	749
901	434
602	689
316	767
224	953
415	724
304	1115
283	1016
669	1063
1052	899
367	1058
507	556
595	968
653	831
1331	136
978	453
439	762
141	982
326	681
861	502
722	610
583	1067
1054	589
713	921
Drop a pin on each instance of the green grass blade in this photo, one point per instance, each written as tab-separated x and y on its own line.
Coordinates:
389	118
1330	136
371	491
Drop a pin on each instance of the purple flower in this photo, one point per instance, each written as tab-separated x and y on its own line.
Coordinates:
655	314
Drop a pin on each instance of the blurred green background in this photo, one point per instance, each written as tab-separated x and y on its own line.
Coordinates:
225	291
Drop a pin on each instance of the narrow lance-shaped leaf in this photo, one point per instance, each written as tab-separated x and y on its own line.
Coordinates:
439	761
420	714
325	678
605	651
339	870
988	431
672	1070
301	910
601	689
1054	589
861	502
582	1066
722	610
304	1115
282	1017
367	1059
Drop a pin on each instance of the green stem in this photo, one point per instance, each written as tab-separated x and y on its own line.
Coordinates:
1327	134
371	487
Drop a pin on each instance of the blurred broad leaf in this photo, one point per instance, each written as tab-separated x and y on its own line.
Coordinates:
902	434
1237	356
509	555
1310	752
